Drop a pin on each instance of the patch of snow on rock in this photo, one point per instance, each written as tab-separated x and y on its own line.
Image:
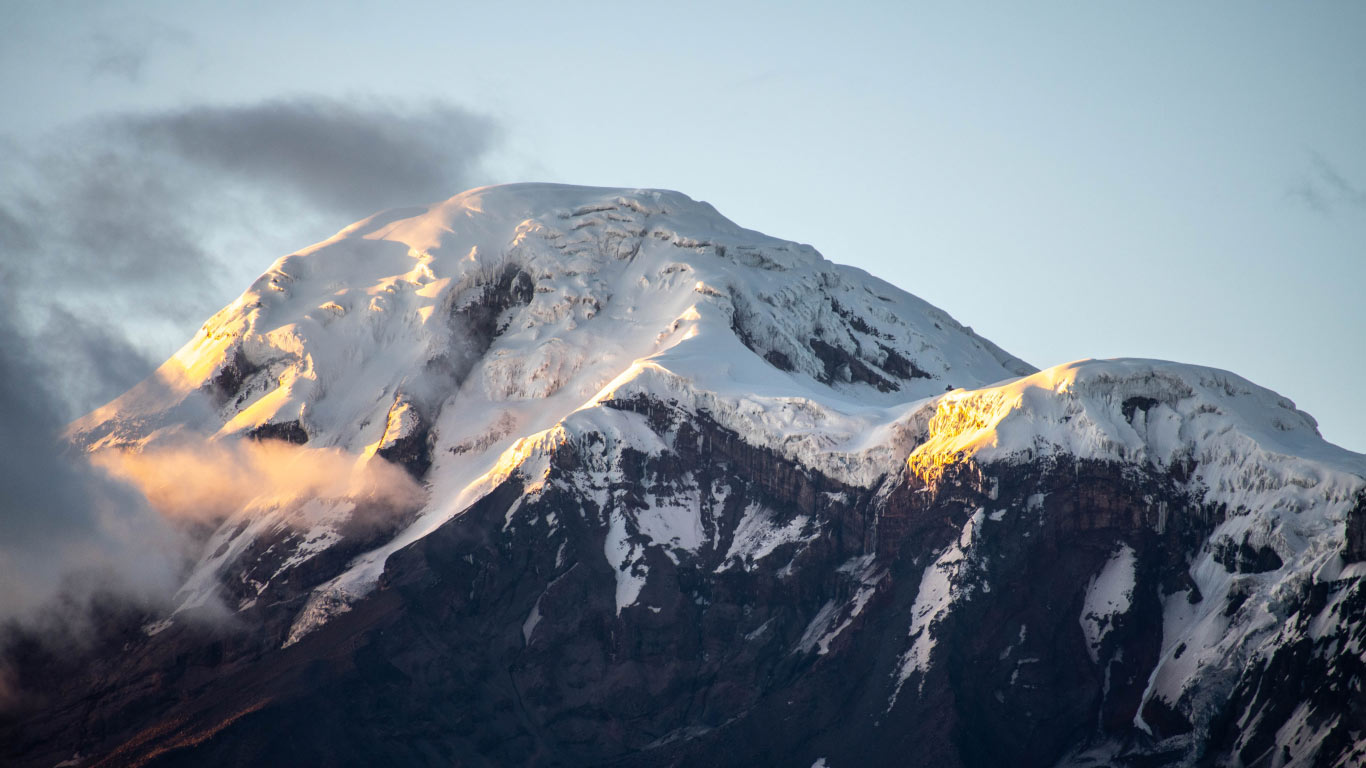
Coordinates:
941	585
1109	595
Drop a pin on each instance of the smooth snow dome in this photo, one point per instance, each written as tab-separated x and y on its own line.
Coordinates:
1251	446
620	276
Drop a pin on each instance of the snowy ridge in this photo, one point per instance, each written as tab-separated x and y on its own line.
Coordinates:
1250	447
618	276
479	326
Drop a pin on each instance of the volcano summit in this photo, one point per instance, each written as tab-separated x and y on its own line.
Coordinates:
551	475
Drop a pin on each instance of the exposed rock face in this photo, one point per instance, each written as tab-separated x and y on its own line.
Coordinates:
497	640
1355	550
289	431
697	497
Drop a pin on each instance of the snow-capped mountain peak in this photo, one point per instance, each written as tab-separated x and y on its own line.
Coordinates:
630	447
451	336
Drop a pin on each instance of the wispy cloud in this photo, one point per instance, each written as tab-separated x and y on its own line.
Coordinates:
121	50
338	157
208	481
1325	189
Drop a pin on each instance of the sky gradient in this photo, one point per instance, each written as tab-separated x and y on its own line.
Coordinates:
1072	180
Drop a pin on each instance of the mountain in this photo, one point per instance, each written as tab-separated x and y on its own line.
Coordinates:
552	475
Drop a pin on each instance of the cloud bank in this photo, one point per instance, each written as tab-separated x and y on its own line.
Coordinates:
121	233
60	520
208	481
334	156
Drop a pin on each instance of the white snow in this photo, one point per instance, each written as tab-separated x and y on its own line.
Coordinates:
1108	595
833	617
673	523
757	536
532	619
1252	448
1206	647
942	583
621	555
818	629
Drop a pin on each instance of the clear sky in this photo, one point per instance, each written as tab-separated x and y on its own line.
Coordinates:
1172	180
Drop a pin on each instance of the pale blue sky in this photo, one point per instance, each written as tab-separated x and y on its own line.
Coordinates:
1073	180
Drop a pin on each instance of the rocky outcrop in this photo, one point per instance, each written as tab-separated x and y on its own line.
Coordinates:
1310	684
840	365
231	376
1355	549
478	316
288	431
497	640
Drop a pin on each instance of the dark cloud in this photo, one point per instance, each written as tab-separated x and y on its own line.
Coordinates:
94	360
62	521
147	223
338	157
90	218
1324	188
133	225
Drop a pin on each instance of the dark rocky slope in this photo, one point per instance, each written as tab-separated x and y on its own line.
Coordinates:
714	665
